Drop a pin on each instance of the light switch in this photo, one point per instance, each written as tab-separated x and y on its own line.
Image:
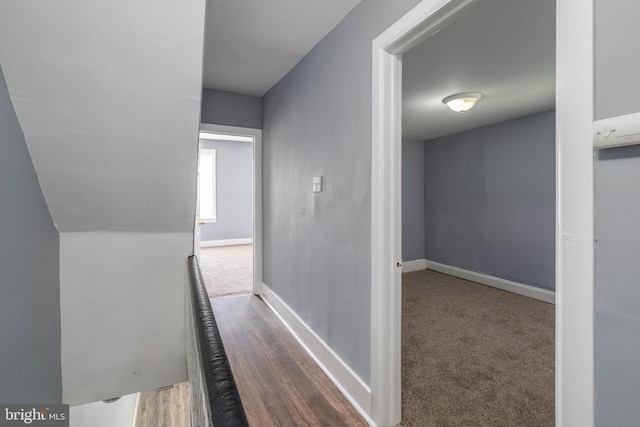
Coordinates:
317	184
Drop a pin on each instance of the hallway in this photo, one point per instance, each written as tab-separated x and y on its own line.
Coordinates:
279	383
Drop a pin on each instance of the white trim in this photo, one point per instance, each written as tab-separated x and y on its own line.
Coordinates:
418	24
256	134
212	153
575	214
347	381
210	136
385	289
227	242
415	265
485	279
495	282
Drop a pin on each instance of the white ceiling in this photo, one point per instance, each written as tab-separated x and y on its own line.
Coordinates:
108	96
504	49
250	45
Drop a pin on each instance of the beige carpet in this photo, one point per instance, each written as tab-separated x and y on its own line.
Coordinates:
227	270
474	355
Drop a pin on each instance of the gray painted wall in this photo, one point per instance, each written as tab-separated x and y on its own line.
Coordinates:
30	368
617	294
412	200
231	109
617	200
317	121
490	200
234	168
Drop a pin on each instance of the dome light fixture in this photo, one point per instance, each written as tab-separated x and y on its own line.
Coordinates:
462	102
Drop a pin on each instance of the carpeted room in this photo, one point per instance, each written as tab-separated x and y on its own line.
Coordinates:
478	202
474	354
226	211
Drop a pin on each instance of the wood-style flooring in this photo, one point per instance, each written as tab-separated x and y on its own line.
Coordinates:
279	383
164	407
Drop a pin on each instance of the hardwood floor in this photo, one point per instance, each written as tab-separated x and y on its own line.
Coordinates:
279	383
164	407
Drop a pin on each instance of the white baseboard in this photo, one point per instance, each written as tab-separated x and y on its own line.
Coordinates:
416	265
228	242
347	381
495	282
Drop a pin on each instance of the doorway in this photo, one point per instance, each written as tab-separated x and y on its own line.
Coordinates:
487	192
228	233
574	302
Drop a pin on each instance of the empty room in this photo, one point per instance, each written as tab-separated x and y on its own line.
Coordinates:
225	212
478	217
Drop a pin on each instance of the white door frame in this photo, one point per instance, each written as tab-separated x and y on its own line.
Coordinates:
574	209
257	192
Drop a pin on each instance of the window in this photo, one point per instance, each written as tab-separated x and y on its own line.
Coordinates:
207	184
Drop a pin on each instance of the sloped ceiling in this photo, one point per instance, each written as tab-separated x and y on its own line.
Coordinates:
251	44
108	96
504	49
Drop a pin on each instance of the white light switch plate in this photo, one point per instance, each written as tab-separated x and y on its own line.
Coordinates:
317	184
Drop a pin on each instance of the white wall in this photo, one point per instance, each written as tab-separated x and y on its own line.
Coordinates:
108	95
122	303
120	413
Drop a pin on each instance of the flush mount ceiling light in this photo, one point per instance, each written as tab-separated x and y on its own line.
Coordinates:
462	102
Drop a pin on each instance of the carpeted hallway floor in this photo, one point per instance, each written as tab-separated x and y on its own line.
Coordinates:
473	355
227	270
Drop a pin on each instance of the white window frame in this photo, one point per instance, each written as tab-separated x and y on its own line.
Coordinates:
208	153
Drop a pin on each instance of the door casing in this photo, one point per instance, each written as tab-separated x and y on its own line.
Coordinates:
574	206
257	192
